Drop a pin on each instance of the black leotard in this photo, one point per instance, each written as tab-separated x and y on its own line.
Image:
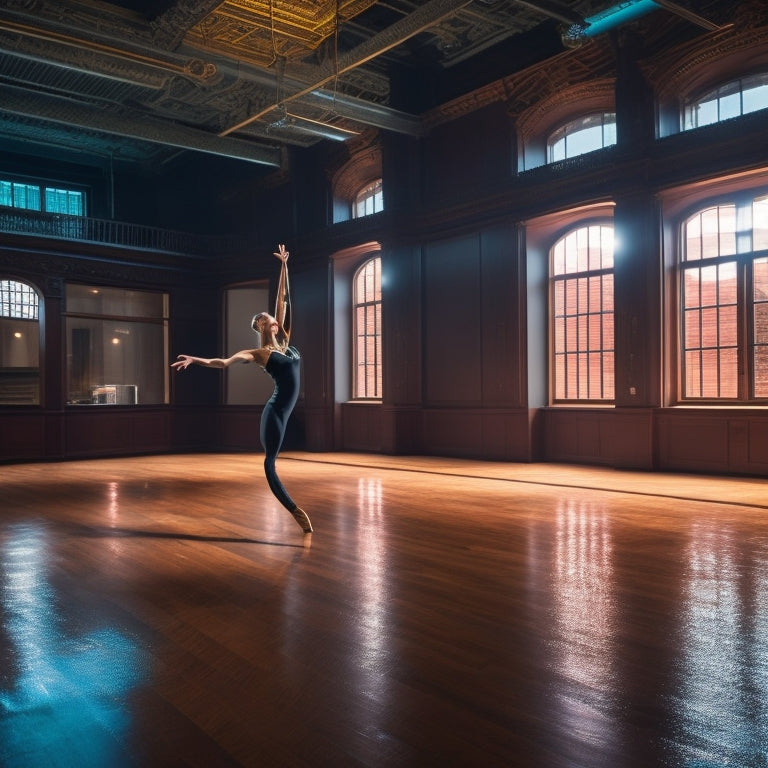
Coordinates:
285	369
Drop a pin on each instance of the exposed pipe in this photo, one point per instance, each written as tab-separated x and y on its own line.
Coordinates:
54	110
420	20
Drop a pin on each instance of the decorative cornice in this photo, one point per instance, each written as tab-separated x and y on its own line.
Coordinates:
680	71
564	101
363	166
525	89
38	266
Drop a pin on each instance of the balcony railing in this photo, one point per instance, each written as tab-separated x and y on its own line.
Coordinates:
119	234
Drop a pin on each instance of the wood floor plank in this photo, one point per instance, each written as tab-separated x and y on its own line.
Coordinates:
164	611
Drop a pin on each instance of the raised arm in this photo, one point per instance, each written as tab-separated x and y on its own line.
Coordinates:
184	361
283	300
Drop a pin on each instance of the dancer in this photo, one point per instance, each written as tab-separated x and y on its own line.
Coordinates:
282	362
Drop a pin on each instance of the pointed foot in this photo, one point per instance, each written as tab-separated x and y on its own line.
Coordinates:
301	517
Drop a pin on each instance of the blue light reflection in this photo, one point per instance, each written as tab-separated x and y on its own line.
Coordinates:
62	698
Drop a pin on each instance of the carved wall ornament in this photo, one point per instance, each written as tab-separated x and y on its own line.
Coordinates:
363	167
713	57
594	63
561	104
261	31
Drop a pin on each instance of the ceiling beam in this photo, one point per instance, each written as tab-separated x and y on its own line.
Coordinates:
420	20
131	126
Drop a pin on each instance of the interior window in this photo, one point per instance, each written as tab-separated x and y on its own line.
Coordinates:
117	346
19	344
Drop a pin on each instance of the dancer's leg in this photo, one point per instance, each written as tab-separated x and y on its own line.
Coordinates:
272	434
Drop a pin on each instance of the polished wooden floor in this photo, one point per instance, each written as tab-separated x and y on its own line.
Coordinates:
164	611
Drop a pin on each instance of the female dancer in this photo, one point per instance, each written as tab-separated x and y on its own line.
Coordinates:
282	362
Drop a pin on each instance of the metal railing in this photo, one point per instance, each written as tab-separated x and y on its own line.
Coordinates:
59	226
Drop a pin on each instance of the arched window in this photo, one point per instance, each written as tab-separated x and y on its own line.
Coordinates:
581	315
735	98
582	135
19	344
370	199
723	283
366	307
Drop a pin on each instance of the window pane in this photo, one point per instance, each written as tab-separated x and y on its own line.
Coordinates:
18	300
727	101
369	200
760	330
117	345
582	135
366	291
582	315
25	196
64	201
729	378
711	233
730	106
19	344
705	113
760	224
756	97
710	331
761	371
557	147
113	363
585	140
93	300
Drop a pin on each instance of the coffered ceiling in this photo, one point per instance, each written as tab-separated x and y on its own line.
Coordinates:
144	80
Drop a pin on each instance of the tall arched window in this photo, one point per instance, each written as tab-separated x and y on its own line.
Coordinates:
582	135
19	344
366	304
581	312
370	199
738	97
723	282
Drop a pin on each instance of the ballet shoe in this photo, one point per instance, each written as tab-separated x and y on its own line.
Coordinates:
300	516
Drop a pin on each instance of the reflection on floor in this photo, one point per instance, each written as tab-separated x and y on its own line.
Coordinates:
165	611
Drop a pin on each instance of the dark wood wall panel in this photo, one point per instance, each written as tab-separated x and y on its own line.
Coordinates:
757	444
101	430
452	322
362	427
319	429
730	441
22	436
582	436
452	432
501	316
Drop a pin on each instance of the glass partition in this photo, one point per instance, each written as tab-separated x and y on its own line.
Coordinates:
117	346
19	344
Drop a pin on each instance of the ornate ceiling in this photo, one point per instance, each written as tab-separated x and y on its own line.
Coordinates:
143	80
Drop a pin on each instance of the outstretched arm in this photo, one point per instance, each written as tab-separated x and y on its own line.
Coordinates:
283	300
184	361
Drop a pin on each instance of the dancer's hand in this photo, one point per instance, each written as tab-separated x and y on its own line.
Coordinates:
281	253
183	362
